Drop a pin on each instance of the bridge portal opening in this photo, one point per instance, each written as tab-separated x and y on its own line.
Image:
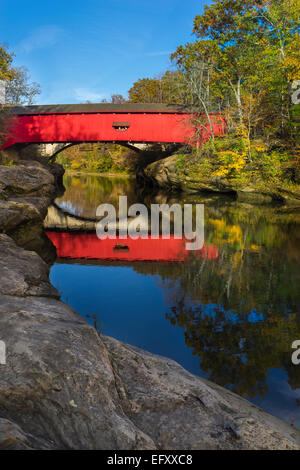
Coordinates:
100	157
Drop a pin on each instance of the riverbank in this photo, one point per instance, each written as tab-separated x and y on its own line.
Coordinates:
76	389
262	174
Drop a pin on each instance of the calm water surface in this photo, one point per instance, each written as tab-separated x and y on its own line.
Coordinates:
229	313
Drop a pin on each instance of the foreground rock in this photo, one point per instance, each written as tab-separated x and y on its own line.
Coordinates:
23	273
168	174
179	410
13	438
26	179
66	387
26	192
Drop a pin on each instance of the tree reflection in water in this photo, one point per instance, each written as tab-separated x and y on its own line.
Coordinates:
247	302
240	312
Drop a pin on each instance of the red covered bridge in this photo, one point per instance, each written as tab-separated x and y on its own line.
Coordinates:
124	123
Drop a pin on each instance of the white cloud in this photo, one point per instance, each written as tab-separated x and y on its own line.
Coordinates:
44	36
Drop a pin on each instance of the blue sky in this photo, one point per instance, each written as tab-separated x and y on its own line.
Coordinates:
87	50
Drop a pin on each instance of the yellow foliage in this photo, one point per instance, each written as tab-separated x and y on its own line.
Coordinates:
233	161
255	248
237	258
230	161
227	233
259	147
75	165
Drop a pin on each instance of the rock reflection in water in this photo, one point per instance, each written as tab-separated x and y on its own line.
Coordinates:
85	192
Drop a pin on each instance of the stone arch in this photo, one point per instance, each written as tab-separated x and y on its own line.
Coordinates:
49	151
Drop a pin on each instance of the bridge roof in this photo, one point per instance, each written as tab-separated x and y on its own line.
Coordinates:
102	108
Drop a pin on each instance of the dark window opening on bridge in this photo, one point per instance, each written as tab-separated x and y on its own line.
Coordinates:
121	126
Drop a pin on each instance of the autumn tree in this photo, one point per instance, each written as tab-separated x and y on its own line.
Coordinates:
170	87
252	51
227	41
7	72
146	90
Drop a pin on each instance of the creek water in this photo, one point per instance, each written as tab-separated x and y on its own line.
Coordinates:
229	312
